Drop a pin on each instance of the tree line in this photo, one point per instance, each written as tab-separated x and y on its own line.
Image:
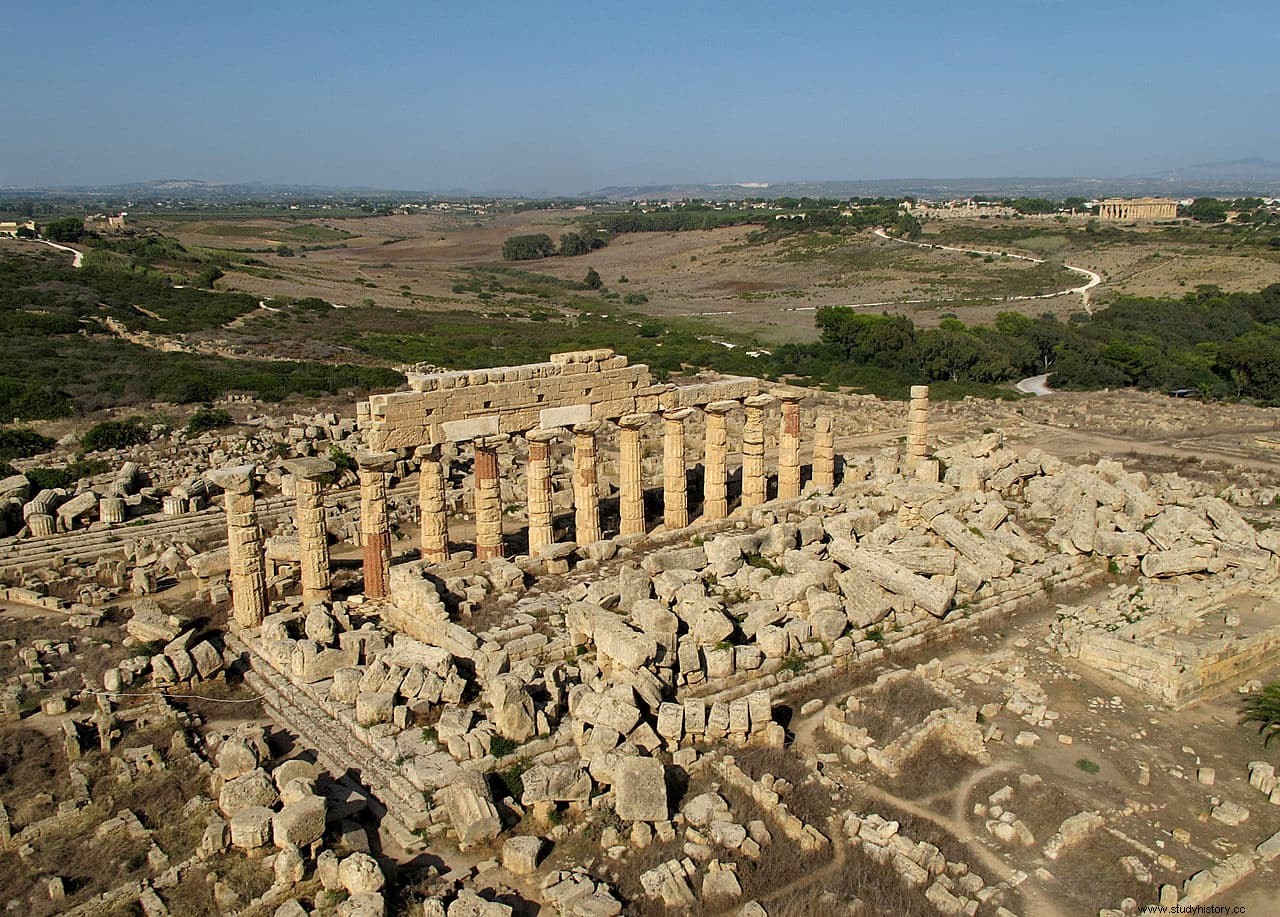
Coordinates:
1221	345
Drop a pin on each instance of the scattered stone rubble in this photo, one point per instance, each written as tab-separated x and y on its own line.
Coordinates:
596	669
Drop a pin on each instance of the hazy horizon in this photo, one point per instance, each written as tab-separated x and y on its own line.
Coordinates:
563	100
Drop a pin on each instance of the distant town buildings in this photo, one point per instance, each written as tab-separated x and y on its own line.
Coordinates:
1138	208
8	228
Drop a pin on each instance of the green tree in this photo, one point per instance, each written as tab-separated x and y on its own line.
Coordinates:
577	243
592	281
528	247
1207	210
67	229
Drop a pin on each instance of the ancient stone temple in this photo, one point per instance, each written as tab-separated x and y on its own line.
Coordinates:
574	399
1138	208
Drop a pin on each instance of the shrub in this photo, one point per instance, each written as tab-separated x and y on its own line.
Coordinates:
1088	766
512	777
21	442
341	460
635	299
500	747
1263	708
207	419
114	434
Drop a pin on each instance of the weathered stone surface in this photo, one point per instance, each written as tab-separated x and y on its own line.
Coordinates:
252	789
470	809
555	783
520	855
640	790
251	827
299	822
360	874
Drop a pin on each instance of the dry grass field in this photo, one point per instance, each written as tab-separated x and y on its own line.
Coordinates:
730	278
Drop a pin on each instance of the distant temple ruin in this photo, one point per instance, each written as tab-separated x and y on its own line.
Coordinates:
1138	208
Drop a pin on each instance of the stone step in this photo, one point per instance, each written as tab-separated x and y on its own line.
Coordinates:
338	747
73	547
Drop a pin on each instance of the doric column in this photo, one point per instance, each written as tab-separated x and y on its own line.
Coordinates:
541	531
375	527
715	461
754	482
310	475
244	545
675	483
111	509
824	454
586	487
432	518
917	427
631	474
488	498
789	445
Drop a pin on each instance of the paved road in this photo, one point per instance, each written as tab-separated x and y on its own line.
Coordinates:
1036	385
77	257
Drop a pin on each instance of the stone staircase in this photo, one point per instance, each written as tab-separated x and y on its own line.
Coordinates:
403	808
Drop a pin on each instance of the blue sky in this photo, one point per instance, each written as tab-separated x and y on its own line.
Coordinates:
567	97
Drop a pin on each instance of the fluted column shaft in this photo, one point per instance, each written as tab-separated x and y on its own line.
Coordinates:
754	481
432	517
375	526
917	426
586	487
789	447
824	454
675	482
488	499
310	476
244	546
715	460
631	474
541	531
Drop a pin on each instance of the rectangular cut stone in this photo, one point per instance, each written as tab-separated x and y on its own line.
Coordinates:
471	428
565	416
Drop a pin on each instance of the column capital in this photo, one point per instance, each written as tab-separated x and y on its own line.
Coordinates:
376	461
310	468
919	391
544	434
721	407
677	415
236	479
430	453
492	441
762	400
633	421
786	395
587	427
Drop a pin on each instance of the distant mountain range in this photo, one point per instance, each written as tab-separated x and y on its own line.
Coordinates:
1235	178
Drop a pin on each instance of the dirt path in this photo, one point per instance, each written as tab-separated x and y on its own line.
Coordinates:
1035	385
1093	278
77	257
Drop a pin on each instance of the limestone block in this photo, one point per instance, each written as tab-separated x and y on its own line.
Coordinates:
520	855
374	707
640	790
251	827
299	823
252	789
360	874
470	809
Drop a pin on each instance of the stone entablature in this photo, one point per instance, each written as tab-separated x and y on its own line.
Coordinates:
570	388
